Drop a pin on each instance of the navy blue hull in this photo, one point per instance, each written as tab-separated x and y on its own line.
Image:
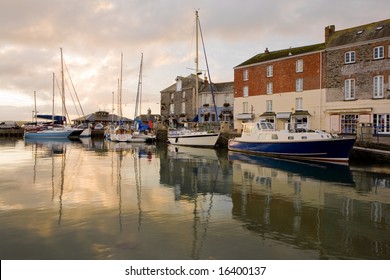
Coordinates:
332	150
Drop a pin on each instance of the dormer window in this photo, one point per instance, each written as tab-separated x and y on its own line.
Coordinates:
178	85
380	27
359	32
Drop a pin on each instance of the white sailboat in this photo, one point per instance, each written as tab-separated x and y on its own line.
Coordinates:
121	133
141	133
190	137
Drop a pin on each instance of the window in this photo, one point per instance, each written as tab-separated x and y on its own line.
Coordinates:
206	99
378	87
299	84
350	57
299	66
349	89
382	123
183	95
183	107
269	105
349	123
172	108
246	75
172	96
178	85
270	71
269	88
245	107
298	103
245	91
379	52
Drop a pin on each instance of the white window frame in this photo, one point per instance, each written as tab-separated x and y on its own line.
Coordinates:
245	75
172	108
378	86
349	89
299	66
270	87
245	107
270	71
268	104
245	91
178	85
299	103
350	57
299	85
183	107
379	52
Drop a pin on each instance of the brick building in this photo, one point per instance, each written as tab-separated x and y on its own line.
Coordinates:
284	87
330	86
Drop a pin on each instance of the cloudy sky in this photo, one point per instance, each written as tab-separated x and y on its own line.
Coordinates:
94	33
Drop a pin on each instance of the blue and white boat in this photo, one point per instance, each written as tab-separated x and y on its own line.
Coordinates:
261	138
59	132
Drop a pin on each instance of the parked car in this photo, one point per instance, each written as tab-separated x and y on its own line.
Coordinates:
8	125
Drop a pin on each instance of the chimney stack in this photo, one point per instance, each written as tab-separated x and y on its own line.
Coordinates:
329	31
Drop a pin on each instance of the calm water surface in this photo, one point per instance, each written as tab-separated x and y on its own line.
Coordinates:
98	200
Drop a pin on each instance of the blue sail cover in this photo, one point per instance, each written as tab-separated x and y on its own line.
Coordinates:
141	126
57	119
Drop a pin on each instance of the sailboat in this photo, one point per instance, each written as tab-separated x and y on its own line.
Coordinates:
121	133
189	137
51	131
141	131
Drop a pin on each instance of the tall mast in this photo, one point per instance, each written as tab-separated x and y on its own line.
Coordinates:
196	64
120	88
35	107
52	112
62	86
137	110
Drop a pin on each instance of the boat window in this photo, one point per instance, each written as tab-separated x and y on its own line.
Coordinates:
304	137
270	126
291	138
274	136
263	126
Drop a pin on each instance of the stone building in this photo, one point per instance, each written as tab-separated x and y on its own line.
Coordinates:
357	74
178	101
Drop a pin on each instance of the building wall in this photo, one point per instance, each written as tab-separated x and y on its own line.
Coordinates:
284	91
364	107
284	75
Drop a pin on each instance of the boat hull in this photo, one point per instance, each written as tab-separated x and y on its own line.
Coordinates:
194	140
46	134
327	150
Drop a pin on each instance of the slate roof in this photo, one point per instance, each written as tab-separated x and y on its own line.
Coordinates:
189	83
267	56
367	32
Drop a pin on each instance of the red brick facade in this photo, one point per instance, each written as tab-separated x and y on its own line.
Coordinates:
284	75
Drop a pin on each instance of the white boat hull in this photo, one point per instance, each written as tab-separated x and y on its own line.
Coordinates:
194	139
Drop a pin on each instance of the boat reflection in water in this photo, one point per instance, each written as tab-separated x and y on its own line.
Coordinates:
319	171
311	206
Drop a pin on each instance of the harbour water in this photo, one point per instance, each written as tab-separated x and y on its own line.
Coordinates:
94	200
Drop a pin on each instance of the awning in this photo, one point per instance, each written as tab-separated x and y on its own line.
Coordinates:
301	113
283	115
351	110
268	114
244	116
